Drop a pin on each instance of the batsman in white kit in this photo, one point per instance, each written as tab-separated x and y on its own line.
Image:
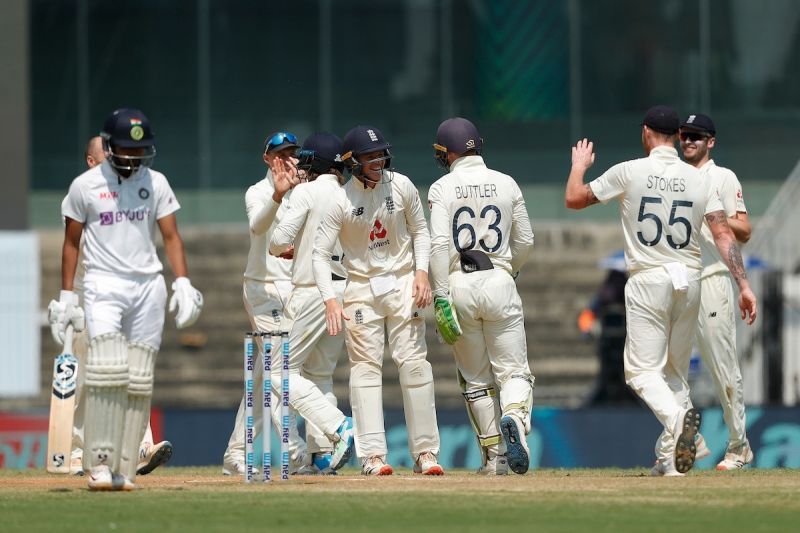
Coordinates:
663	203
267	285
330	432
151	455
716	332
480	238
378	219
115	207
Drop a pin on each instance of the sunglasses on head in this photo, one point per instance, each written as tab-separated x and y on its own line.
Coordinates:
693	136
280	138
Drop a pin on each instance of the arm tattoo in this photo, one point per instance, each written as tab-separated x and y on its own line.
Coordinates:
735	263
716	217
591	199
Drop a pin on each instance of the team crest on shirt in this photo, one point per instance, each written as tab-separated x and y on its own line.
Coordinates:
390	205
359	316
144	194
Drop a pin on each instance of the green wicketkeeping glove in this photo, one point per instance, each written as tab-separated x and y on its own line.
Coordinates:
446	320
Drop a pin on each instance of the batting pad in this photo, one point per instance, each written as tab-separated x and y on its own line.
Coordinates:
142	361
516	397
366	397
106	399
416	383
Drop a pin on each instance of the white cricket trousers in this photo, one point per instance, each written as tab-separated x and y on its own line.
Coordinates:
372	319
716	339
661	326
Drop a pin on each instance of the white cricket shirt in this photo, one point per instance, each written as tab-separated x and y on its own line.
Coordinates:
662	203
263	215
727	186
381	230
119	218
299	226
474	207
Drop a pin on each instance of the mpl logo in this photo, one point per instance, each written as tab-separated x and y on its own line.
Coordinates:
109	195
378	231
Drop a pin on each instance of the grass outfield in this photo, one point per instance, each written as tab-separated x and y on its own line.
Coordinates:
199	499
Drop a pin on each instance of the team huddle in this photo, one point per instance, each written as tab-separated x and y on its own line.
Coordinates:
347	265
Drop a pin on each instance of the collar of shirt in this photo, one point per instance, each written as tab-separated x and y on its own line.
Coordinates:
664	153
468	162
328	177
707	165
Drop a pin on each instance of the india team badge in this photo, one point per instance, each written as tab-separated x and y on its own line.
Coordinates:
136	129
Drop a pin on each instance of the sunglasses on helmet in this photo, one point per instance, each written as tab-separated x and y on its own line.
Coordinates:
692	136
280	138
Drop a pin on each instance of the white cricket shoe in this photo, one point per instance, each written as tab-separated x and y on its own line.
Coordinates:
376	466
737	458
517	451
343	447
665	468
101	479
427	465
496	466
685	448
151	456
702	448
76	466
235	466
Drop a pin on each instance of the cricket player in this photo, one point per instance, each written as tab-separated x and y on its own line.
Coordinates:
267	285
151	455
663	202
716	330
378	219
115	206
480	238
329	431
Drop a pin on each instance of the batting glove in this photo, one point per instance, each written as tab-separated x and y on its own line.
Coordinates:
187	301
63	312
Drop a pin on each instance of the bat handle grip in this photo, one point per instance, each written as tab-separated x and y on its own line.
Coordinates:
68	339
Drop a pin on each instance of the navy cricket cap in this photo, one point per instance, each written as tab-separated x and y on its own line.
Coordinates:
459	135
662	119
128	128
325	146
699	122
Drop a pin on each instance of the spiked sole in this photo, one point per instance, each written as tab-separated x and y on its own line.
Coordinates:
159	458
517	453
685	448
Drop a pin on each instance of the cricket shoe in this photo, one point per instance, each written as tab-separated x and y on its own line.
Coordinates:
321	463
736	458
101	479
665	468
517	451
235	467
427	465
685	447
376	466
76	466
496	466
703	450
343	447
151	456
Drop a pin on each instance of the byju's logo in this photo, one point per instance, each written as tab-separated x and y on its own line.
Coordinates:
106	218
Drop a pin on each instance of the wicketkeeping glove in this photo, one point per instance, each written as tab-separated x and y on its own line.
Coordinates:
446	320
187	301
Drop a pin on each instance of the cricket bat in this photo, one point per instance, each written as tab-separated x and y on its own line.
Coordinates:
62	408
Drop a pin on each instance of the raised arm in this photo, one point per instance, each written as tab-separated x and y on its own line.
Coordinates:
578	194
729	251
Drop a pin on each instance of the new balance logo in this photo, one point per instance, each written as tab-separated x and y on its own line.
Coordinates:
357	212
712	314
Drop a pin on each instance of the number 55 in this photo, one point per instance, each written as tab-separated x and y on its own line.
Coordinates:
660	226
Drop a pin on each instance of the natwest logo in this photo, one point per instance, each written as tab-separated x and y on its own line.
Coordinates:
378	231
109	195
